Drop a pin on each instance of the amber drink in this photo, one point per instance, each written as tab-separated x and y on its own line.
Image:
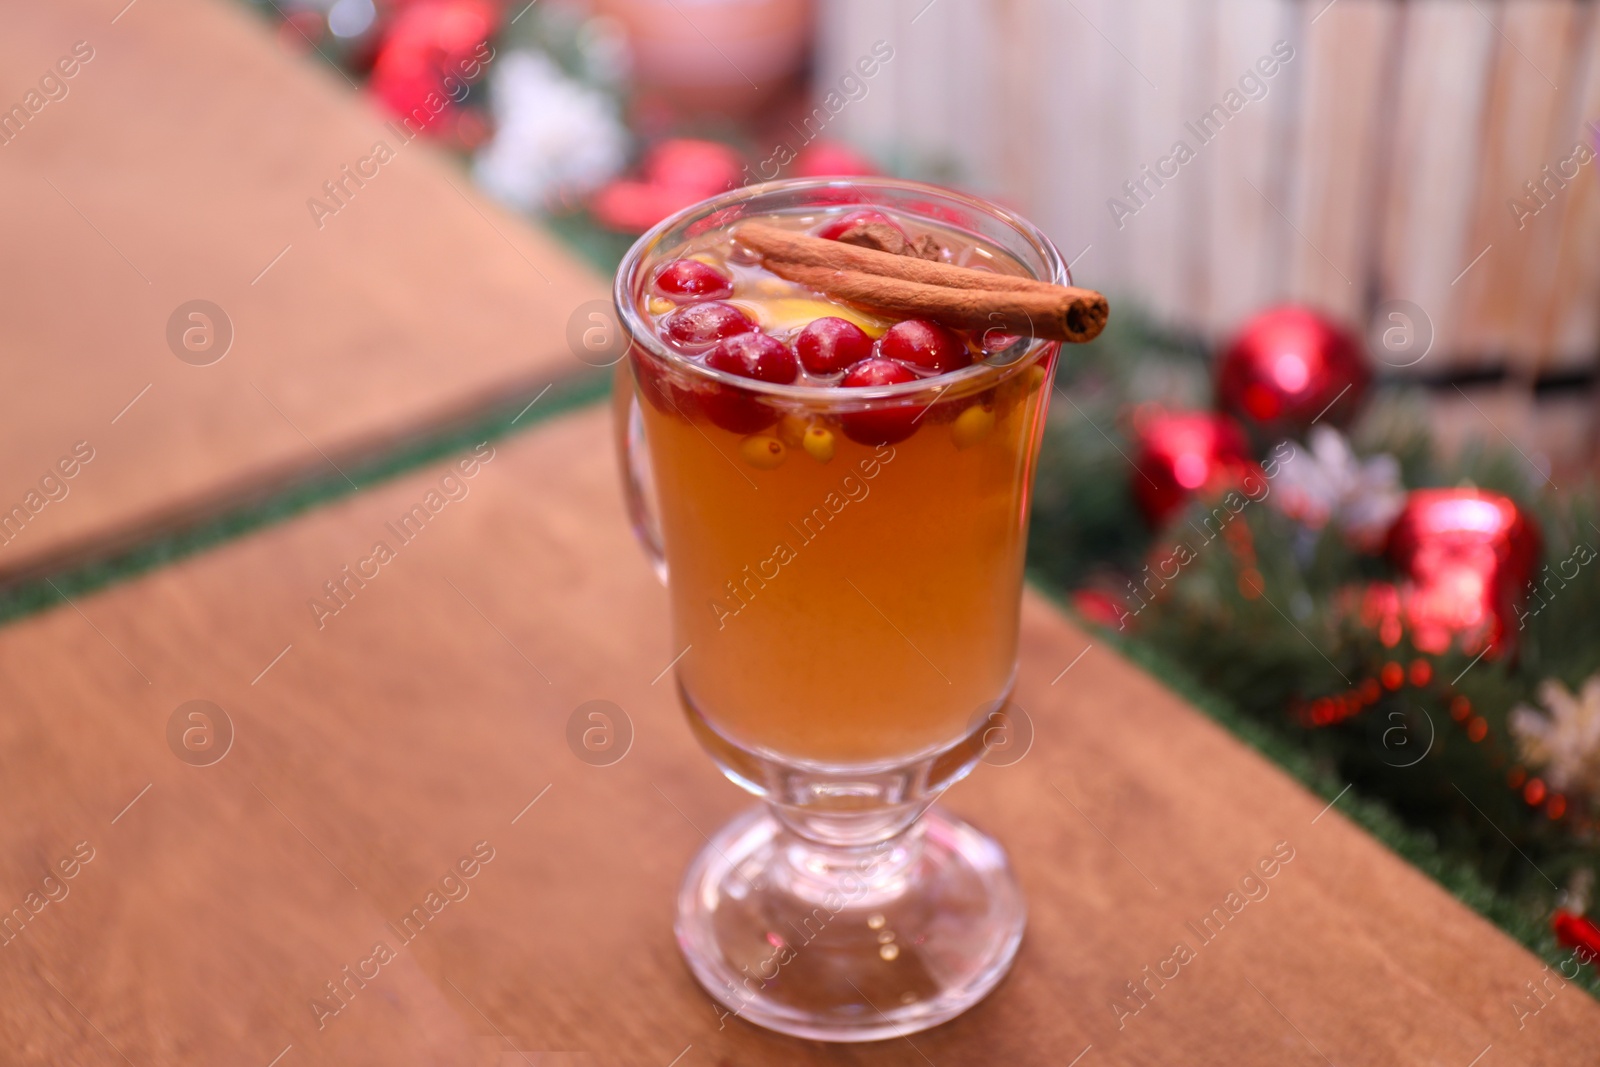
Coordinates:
838	498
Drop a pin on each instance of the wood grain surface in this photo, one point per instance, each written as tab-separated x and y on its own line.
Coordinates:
1526	127
1574	321
423	725
1340	121
1440	98
178	166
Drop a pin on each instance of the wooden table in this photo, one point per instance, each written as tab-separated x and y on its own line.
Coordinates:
373	754
179	166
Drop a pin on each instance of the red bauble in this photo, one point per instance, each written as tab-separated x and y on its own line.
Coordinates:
630	206
1465	557
1180	453
704	168
677	174
832	159
432	53
1289	367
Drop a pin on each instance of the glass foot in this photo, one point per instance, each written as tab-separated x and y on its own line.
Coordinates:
855	944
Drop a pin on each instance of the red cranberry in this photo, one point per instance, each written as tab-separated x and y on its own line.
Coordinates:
883	426
688	280
926	345
661	387
871	372
834	227
995	341
829	345
754	355
749	355
697	326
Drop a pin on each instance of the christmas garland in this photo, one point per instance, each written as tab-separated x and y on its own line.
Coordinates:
1275	530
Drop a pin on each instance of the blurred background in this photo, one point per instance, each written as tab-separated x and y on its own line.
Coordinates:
1421	170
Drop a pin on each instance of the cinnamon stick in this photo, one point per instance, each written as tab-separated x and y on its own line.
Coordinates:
908	285
774	242
1063	316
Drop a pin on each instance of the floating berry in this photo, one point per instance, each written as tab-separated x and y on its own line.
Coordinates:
688	280
749	355
697	326
818	443
924	344
829	345
973	425
763	452
661	388
755	355
881	426
792	429
833	229
870	372
999	346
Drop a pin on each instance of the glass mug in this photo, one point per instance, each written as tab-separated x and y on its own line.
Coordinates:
849	616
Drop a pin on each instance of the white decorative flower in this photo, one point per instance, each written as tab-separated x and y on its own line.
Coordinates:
1563	743
1330	482
553	136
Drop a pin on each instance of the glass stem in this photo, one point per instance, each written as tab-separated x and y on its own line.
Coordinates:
848	859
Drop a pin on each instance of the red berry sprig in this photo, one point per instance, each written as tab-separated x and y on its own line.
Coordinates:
1576	931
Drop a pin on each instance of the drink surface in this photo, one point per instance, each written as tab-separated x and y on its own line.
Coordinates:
846	574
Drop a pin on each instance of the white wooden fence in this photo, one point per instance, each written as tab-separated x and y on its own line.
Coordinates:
1379	159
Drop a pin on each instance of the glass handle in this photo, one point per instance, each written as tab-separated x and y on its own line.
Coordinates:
634	459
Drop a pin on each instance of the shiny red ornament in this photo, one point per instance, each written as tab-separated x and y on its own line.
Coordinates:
1467	556
675	174
832	159
1181	453
432	52
701	167
629	206
1577	932
1289	367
